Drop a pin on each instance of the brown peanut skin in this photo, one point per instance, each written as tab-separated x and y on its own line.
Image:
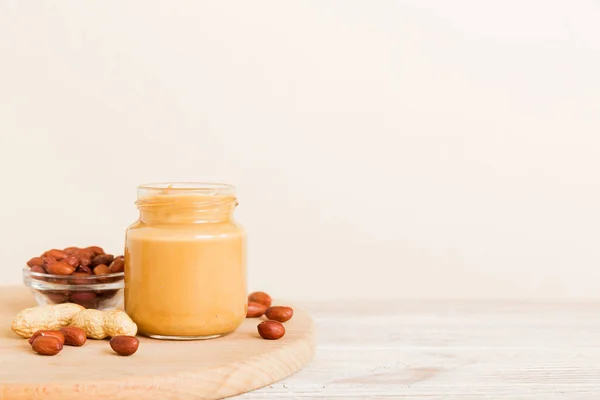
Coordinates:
260	297
101	270
85	253
85	256
84	261
79	278
84	269
56	334
255	310
105	259
279	313
271	330
124	345
38	269
85	299
118	265
48	260
81	259
96	250
73	336
47	346
71	250
35	261
72	261
60	268
57	297
56	254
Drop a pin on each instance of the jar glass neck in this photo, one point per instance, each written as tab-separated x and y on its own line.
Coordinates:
184	205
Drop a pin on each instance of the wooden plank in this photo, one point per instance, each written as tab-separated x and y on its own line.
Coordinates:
450	350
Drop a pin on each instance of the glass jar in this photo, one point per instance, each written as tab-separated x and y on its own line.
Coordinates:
185	272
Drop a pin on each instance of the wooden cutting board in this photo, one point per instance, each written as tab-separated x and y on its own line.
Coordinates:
209	369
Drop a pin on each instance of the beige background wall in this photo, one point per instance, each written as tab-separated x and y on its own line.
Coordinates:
381	149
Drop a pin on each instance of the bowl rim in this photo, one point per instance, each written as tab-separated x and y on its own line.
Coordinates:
27	271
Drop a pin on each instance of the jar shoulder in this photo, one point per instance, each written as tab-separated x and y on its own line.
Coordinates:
222	229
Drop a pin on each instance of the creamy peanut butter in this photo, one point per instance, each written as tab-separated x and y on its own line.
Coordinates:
185	274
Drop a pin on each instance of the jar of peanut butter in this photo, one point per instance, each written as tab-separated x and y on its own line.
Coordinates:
185	273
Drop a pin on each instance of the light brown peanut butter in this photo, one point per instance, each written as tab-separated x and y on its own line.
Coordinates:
185	266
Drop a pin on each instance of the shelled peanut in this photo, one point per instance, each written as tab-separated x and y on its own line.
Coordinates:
51	342
259	304
49	328
78	266
73	260
124	345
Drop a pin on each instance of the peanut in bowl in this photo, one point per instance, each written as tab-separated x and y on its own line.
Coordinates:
101	292
85	276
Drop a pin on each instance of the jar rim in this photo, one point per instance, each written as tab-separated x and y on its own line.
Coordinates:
213	188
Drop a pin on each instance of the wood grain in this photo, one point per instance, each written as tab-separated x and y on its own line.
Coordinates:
208	369
450	350
434	350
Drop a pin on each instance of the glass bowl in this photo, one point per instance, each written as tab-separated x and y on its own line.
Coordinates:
100	292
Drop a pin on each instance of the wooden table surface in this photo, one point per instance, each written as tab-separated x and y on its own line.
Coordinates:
449	350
